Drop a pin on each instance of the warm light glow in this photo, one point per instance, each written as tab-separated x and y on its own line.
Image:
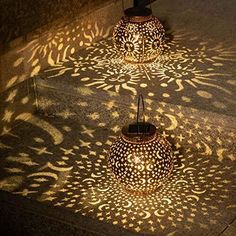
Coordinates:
141	166
139	40
63	163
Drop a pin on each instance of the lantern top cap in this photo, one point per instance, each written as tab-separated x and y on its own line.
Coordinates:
141	132
137	11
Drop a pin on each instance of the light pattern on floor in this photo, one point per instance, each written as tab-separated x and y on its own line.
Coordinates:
181	71
65	164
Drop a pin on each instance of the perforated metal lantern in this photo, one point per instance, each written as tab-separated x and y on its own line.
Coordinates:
140	158
139	35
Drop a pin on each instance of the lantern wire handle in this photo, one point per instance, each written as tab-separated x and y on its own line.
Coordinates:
140	98
123	5
151	6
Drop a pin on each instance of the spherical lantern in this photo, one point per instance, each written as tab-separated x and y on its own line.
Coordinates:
140	158
139	35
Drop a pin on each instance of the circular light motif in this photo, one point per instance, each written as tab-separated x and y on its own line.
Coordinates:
141	166
139	41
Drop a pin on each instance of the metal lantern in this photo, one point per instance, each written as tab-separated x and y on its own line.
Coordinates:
139	35
140	158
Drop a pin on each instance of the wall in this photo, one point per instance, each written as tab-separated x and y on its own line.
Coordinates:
35	36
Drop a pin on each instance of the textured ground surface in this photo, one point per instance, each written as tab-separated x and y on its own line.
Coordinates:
196	70
63	163
60	159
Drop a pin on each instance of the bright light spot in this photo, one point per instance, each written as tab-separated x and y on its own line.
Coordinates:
85	79
185	99
164	85
25	100
219	105
166	95
150	94
143	85
204	94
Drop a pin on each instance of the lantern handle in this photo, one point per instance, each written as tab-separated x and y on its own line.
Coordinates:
140	97
151	5
123	6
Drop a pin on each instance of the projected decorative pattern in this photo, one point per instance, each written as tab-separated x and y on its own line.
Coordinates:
55	45
190	72
65	164
14	102
22	17
49	46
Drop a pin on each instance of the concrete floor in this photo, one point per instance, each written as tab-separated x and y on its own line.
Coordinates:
59	158
63	163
